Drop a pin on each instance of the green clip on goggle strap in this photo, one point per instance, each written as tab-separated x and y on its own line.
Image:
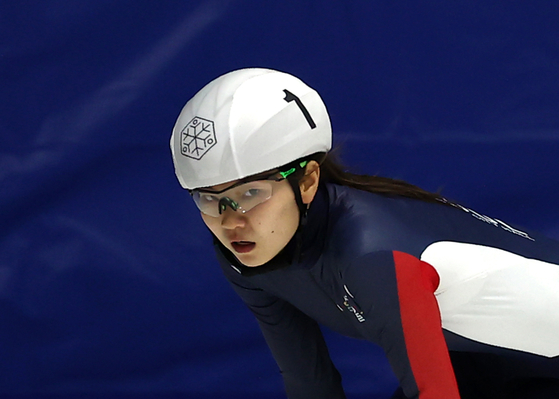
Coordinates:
292	170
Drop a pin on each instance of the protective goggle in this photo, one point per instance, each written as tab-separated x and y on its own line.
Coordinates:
242	196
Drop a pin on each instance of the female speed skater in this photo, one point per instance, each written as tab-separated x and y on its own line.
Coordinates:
463	305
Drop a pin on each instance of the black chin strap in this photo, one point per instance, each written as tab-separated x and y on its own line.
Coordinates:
298	237
303	208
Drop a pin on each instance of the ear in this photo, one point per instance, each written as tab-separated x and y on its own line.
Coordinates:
309	183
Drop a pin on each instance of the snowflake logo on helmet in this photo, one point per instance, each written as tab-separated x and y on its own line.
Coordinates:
197	138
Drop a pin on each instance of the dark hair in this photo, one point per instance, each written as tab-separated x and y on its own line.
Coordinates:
333	171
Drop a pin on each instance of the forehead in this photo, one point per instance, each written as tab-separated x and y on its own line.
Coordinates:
220	187
224	186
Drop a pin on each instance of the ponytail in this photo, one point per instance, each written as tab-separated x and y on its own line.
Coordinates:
332	171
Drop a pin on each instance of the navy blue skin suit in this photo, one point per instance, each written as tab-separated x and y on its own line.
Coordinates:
462	304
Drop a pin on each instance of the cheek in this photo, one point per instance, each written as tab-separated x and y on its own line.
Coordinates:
286	220
212	223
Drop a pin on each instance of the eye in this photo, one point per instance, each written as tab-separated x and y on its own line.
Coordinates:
253	192
206	198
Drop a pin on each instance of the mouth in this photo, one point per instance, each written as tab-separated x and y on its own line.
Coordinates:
243	247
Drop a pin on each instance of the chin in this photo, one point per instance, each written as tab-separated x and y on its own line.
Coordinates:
249	260
254	258
253	263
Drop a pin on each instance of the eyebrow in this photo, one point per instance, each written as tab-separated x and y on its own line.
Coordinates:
248	179
212	191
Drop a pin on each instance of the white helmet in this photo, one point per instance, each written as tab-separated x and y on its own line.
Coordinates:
247	122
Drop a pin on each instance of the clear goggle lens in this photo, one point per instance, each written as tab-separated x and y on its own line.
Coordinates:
241	198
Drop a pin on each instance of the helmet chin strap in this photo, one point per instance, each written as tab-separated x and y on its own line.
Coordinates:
294	183
303	208
293	180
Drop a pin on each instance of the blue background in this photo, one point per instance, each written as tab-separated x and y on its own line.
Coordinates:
108	285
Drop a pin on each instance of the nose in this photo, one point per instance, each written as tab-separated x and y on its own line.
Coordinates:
231	219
